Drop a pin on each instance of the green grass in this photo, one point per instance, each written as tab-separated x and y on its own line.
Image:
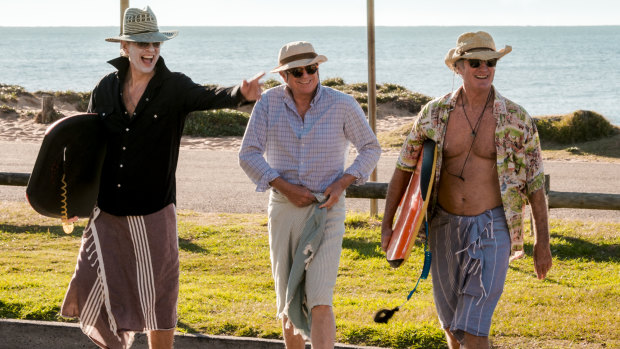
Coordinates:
226	285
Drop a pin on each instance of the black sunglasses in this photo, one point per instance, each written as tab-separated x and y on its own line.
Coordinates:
475	63
299	71
144	45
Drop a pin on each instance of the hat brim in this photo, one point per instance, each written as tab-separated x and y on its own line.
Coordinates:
300	63
452	57
145	37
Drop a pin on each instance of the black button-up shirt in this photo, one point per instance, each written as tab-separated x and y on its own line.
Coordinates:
138	175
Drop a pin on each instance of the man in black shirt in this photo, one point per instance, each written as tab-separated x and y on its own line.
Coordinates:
127	276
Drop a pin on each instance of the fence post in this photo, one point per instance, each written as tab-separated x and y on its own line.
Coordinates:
47	110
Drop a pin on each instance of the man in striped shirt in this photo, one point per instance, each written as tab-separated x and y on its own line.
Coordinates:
296	144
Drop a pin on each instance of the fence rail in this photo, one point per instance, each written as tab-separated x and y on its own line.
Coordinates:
378	190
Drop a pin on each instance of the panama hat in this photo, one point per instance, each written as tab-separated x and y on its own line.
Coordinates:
297	54
479	45
141	26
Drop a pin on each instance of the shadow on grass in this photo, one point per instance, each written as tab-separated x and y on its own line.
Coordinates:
575	248
362	247
19	311
39	229
188	246
185	327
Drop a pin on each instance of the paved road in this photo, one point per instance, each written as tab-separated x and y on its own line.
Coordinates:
211	181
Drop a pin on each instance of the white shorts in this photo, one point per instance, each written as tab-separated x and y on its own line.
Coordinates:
286	224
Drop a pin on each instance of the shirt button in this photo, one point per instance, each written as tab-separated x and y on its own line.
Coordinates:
147	99
102	114
134	114
125	113
124	148
118	185
121	165
127	129
155	116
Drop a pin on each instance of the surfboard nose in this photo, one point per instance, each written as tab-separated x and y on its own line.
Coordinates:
395	263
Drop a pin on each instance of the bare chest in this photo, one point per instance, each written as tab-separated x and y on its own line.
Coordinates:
466	135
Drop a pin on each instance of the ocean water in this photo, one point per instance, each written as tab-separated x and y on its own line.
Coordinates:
551	70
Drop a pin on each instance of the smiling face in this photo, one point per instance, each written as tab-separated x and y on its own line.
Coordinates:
142	56
480	78
303	86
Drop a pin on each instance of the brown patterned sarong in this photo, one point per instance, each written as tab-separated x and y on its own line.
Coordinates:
127	277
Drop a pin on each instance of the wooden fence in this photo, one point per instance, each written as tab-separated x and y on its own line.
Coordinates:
378	190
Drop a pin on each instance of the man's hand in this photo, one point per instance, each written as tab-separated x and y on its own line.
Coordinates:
335	189
386	235
252	89
542	259
298	195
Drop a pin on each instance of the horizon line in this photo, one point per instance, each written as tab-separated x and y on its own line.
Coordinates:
324	26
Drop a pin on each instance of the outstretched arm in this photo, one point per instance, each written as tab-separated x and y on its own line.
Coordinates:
542	249
396	190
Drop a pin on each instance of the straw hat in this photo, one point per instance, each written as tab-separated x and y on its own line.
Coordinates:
141	26
479	45
297	54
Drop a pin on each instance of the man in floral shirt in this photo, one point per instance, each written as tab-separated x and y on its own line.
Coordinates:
489	165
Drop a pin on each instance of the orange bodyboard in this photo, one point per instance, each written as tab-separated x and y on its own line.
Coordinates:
412	208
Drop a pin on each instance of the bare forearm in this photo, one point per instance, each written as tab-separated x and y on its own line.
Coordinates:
542	248
538	204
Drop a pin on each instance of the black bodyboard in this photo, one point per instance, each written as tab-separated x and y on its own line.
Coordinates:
65	179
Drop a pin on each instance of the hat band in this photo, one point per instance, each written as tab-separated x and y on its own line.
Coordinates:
297	57
142	32
475	50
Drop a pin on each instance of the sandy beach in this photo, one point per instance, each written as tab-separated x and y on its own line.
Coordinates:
20	137
20	126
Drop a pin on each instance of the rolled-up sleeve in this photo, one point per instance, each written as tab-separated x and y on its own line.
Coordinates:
359	133
251	154
410	151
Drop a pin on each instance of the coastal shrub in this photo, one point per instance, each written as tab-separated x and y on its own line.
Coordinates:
412	101
78	99
578	126
270	83
6	109
216	123
9	93
333	82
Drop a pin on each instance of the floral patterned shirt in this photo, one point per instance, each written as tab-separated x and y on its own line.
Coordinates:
519	158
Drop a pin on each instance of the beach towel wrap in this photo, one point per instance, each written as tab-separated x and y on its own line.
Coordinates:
127	277
296	309
470	262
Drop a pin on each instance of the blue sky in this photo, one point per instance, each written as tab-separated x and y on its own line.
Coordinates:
316	12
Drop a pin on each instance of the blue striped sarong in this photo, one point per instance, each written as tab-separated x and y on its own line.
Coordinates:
470	262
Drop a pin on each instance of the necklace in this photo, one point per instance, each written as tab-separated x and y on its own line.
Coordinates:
474	130
474	133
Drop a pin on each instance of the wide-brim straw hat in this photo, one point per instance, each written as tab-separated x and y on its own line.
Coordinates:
141	26
297	54
478	45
